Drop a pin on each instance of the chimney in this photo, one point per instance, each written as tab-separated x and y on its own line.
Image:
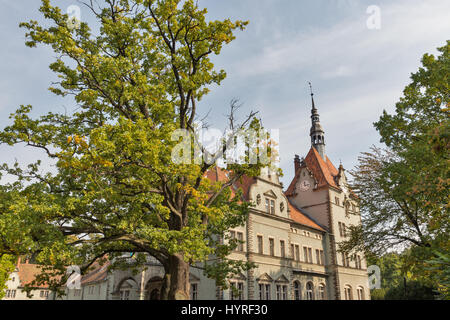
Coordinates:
296	163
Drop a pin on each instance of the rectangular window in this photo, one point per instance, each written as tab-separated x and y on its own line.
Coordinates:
125	295
241	290
336	199
322	258
240	237
268	289
264	291
305	254
282	249
340	229
318	256
236	291
310	255
267	205
281	292
260	245
272	247
297	252
272	206
194	291
292	252
233	289
13	293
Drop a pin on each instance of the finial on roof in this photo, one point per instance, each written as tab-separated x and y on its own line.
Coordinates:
341	167
312	96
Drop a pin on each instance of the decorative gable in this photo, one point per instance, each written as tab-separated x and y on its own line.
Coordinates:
322	170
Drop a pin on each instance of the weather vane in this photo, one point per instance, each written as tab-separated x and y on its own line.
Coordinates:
310	87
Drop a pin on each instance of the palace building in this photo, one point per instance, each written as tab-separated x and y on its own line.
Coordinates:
291	236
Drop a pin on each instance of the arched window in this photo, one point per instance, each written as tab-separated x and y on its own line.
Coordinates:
348	292
322	294
153	288
309	291
297	291
360	291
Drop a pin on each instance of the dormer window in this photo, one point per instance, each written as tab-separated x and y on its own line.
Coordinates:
272	206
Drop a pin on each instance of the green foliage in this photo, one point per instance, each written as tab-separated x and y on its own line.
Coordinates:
404	189
440	267
116	188
7	263
377	294
398	268
414	290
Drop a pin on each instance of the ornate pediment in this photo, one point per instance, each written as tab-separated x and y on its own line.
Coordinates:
239	276
282	279
265	277
270	194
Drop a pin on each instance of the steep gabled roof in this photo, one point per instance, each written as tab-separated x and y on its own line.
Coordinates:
324	171
302	218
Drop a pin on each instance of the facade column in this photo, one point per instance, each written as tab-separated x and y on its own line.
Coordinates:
142	291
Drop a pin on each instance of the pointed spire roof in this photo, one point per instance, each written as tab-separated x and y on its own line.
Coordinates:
313	110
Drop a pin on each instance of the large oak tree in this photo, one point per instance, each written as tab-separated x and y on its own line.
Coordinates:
136	80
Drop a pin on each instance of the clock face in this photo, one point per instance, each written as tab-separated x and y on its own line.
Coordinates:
305	185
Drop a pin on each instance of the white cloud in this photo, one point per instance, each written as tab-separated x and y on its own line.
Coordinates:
350	46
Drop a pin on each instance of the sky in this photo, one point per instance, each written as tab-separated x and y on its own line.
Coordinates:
358	66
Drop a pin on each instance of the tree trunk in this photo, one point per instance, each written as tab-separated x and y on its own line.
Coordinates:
164	295
177	278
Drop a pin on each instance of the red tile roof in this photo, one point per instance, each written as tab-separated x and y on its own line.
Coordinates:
99	273
28	272
244	183
302	219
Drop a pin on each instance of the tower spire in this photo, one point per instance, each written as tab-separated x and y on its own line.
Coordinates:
317	134
312	96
